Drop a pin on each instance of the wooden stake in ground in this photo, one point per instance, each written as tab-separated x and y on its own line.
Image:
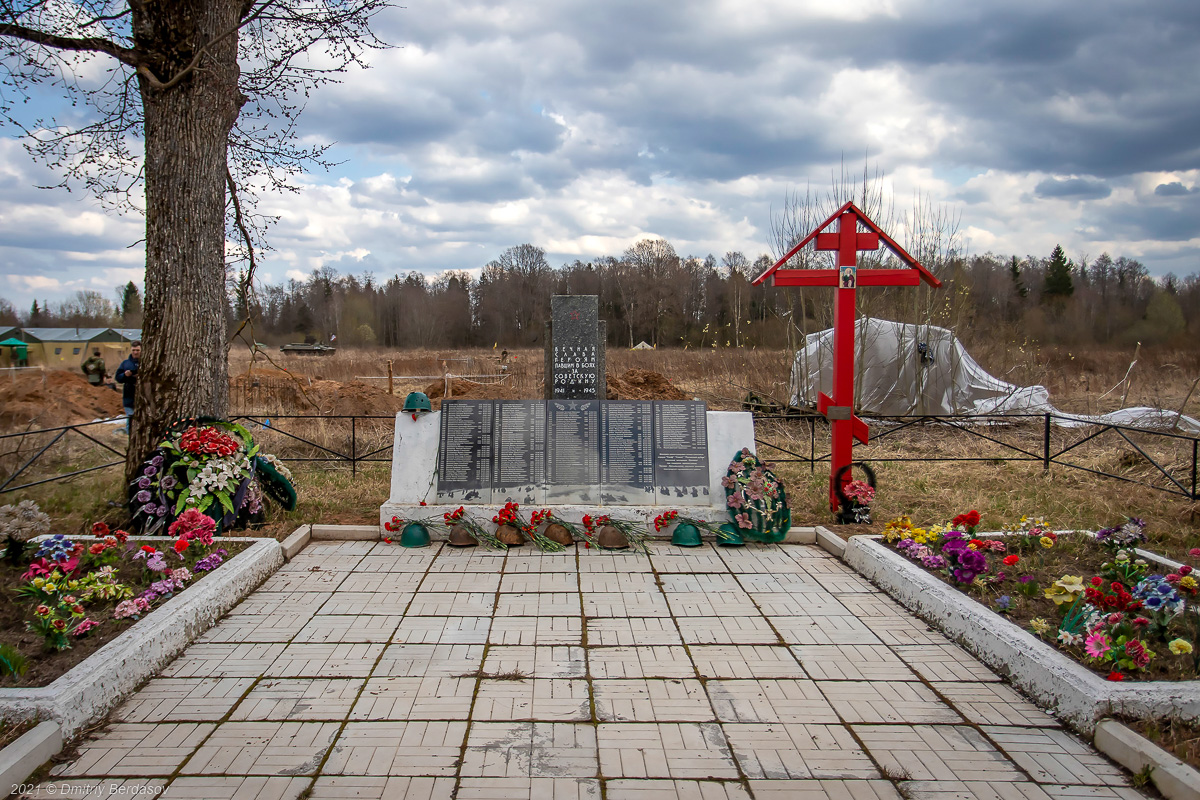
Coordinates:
1128	372
1183	405
390	377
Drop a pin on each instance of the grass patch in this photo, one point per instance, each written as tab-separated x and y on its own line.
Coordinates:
1180	739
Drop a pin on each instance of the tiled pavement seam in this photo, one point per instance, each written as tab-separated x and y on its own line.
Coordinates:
1036	745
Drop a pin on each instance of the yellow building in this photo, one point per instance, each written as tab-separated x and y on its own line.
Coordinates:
68	348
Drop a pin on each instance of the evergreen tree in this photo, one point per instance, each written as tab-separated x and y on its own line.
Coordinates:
35	315
1059	285
1014	269
131	305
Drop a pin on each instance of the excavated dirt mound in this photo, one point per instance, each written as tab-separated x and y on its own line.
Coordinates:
634	384
298	394
354	398
470	390
37	399
642	384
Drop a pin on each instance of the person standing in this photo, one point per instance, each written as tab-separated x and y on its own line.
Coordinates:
94	369
127	377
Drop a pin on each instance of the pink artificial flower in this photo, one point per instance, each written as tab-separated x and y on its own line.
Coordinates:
194	524
85	626
1097	645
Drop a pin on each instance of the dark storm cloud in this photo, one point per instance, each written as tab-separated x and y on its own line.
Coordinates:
1099	88
1104	88
1164	219
1073	189
1172	189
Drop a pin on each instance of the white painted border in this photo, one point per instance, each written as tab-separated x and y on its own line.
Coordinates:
97	684
32	749
1071	691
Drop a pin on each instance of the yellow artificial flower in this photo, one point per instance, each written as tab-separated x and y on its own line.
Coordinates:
1040	626
39	582
51	587
1180	647
72	585
1065	589
1071	583
1047	541
1188	582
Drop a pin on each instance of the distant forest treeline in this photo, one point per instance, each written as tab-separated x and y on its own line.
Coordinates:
650	293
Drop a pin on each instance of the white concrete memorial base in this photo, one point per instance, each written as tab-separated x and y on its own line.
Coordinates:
415	459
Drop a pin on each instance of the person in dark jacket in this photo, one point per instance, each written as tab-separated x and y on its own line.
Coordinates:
93	368
126	375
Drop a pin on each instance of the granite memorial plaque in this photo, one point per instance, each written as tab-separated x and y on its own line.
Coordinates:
573	451
576	357
681	453
627	452
519	451
465	469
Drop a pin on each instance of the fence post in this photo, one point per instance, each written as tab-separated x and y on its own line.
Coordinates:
1046	445
812	445
1195	442
353	447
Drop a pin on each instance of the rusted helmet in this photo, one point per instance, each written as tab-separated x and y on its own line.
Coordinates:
461	537
559	533
510	536
610	537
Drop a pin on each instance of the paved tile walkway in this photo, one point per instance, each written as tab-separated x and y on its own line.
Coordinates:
362	670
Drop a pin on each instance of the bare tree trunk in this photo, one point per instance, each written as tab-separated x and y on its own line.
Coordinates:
183	370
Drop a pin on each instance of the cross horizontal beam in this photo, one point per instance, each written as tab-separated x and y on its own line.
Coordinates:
832	277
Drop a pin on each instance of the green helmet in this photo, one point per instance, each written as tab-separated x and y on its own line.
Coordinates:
417	401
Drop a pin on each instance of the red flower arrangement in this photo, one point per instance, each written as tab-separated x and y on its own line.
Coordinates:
511	515
1113	598
664	520
969	520
207	441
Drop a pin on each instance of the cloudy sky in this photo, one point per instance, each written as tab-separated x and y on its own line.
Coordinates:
583	126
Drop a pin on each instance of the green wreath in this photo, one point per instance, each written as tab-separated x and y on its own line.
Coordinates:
756	499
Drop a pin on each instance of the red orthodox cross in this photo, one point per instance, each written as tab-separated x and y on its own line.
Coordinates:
847	241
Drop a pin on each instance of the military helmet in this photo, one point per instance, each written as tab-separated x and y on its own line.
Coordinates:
417	401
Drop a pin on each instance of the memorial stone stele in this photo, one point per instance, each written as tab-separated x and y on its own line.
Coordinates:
575	349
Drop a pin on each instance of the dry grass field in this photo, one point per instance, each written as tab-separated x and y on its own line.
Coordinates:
944	470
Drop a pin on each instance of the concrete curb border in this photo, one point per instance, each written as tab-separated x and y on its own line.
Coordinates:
1175	779
297	541
32	749
1072	692
108	676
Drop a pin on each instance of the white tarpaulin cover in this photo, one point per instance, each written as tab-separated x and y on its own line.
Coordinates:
903	369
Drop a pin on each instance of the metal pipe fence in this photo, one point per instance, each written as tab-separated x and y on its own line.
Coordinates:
1160	460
